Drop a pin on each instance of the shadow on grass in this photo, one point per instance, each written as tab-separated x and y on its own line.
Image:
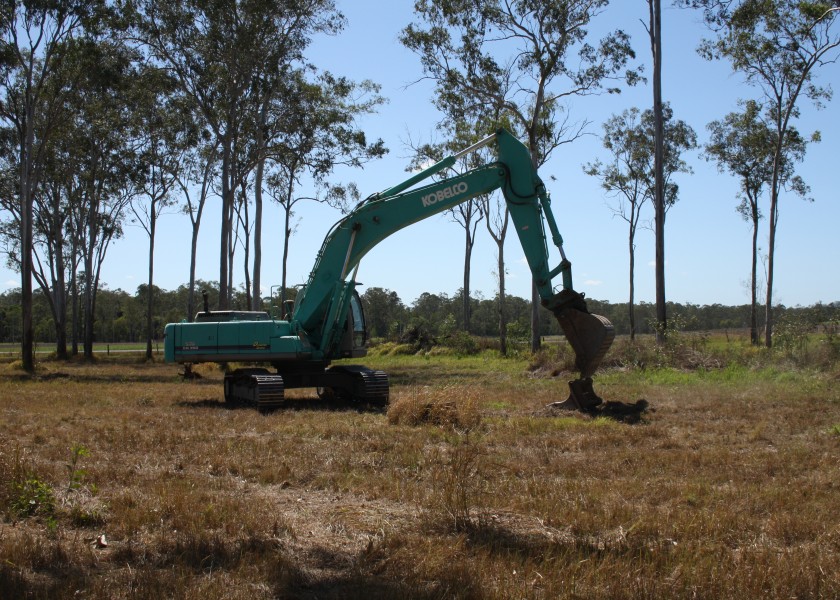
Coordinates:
623	412
105	378
291	405
496	539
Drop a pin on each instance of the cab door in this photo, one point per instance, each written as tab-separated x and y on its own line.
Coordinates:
354	340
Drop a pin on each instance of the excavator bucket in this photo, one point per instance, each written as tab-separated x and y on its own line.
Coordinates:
590	337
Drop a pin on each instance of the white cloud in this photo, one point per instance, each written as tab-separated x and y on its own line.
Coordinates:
593	282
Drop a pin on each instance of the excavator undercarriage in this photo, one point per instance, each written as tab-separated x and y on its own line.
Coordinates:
265	391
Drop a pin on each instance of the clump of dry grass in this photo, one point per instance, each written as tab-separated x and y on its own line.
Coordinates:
447	406
456	497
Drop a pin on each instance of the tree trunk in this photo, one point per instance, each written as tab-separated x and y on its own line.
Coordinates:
150	299
191	292
533	147
502	312
535	317
87	341
781	128
753	282
465	300
225	226
196	226
87	304
74	300
26	212
258	210
499	237
60	301
287	232
632	307
771	244
244	221
231	249
659	201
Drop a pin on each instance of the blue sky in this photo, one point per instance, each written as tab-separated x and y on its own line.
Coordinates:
707	242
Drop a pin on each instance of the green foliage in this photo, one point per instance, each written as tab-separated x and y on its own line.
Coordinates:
463	343
835	430
76	475
22	492
32	497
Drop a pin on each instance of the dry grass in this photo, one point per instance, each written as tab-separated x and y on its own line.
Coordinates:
468	487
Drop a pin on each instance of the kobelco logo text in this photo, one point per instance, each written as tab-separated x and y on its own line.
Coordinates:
445	194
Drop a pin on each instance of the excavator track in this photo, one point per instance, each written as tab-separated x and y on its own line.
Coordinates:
269	392
374	387
358	383
255	387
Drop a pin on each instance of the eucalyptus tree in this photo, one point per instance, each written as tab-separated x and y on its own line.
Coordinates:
743	143
316	132
496	220
630	174
194	176
777	45
162	133
460	134
654	29
35	36
524	57
107	162
52	259
228	55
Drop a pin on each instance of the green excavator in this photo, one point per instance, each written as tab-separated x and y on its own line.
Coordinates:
327	322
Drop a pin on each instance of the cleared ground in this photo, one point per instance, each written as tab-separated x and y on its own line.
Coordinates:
121	480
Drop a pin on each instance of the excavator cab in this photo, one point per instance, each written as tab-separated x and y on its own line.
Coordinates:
354	340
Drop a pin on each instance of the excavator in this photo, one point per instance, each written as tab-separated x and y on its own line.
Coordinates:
326	322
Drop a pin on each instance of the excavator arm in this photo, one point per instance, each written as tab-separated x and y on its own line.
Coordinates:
323	303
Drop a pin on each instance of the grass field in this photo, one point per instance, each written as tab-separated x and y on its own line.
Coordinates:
11	350
120	480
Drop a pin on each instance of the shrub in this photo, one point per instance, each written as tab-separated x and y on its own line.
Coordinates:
462	343
22	492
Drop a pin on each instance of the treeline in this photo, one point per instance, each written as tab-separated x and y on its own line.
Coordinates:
121	316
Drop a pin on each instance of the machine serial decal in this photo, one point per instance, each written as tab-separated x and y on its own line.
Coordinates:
444	194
